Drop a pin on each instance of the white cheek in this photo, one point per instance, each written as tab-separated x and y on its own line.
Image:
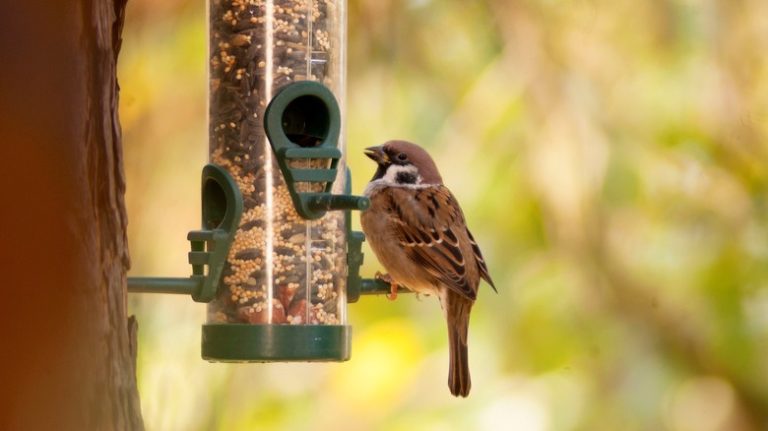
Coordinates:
390	179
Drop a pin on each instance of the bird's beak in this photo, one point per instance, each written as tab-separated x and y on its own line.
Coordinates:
377	154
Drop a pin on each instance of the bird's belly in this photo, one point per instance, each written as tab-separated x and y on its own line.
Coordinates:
393	258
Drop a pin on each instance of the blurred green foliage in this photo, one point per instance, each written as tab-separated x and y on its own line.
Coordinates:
611	160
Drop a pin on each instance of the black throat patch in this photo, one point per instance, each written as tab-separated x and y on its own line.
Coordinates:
406	178
380	172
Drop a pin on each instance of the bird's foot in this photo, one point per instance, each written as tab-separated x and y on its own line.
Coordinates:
386	278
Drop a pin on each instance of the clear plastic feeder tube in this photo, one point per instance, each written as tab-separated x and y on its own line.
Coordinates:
281	269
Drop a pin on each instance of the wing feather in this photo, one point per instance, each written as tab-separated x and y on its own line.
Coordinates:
480	261
430	227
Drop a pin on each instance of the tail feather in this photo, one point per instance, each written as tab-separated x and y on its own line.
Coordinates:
458	372
459	381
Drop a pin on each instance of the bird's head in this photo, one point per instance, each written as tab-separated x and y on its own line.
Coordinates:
403	163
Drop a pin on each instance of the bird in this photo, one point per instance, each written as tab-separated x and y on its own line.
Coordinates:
418	232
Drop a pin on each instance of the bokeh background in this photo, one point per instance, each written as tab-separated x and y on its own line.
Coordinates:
611	160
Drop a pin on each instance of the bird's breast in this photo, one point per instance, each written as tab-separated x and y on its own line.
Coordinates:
388	249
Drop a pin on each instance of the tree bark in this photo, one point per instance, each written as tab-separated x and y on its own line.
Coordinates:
68	347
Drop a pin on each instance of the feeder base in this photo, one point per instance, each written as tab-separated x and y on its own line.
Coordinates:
238	342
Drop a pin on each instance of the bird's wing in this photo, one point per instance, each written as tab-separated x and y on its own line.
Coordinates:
480	261
430	227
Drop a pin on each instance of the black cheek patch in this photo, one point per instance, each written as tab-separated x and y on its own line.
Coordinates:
405	178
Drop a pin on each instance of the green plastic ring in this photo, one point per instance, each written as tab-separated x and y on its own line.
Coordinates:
240	342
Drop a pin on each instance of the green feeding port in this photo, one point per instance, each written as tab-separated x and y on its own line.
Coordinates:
303	123
222	209
306	120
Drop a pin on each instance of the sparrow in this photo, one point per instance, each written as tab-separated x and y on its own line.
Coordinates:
417	231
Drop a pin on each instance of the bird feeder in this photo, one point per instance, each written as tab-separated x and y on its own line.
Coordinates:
276	260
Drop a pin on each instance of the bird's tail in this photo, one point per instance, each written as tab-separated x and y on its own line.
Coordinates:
459	381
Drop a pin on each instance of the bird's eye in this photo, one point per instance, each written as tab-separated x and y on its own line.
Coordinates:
402	157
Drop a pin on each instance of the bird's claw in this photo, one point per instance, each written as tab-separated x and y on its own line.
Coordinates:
392	285
392	292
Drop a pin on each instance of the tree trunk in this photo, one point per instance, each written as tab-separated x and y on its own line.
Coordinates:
68	348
